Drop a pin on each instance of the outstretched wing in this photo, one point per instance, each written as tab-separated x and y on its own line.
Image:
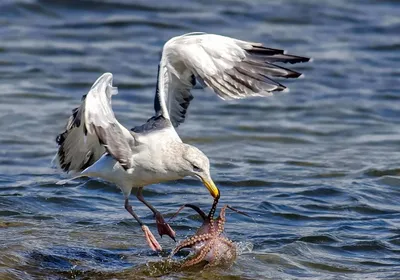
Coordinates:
93	129
231	68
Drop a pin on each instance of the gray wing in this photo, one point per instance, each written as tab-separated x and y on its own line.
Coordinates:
93	130
153	124
232	68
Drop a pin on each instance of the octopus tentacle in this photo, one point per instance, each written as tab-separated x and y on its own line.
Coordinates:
213	208
204	251
229	243
221	220
190	242
212	213
238	211
194	207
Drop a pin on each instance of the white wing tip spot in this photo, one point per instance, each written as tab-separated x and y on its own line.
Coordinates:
129	170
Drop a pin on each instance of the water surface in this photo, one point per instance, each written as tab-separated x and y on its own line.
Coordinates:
317	168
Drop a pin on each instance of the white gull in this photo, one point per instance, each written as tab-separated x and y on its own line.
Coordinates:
95	144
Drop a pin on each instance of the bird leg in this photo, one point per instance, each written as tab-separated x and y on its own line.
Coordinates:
151	240
162	226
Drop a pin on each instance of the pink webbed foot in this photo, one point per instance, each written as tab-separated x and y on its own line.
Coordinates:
163	227
151	240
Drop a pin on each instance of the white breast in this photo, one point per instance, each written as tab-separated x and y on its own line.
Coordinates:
151	164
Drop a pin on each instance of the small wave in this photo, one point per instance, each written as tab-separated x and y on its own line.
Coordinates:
244	247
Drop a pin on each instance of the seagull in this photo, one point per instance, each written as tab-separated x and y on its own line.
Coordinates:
95	144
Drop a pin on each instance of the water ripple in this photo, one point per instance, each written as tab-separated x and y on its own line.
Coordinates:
316	169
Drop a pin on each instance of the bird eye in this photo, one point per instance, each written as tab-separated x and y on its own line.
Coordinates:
196	168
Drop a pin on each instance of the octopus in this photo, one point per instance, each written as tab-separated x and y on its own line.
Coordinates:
209	243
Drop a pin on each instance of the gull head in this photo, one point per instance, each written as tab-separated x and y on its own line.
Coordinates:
197	165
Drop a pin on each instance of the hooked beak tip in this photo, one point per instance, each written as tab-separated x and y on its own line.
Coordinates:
212	188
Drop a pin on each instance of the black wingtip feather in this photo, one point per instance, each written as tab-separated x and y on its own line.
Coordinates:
280	88
292	59
293	75
276	55
264	51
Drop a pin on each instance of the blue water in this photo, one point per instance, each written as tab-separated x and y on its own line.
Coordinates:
316	168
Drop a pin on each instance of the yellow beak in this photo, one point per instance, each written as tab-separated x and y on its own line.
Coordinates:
212	188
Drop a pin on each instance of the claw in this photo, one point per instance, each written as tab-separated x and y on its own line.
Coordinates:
151	240
163	227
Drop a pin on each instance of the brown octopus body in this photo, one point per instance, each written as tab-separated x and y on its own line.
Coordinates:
209	243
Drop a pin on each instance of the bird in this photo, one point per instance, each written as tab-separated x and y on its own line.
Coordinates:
94	144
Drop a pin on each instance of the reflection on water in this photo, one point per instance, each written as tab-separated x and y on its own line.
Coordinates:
316	168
